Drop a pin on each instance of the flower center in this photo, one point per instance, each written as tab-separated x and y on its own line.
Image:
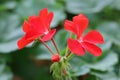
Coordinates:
46	32
80	40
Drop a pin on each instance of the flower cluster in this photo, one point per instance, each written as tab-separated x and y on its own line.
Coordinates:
38	28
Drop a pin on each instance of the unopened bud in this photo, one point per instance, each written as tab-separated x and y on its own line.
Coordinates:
64	72
55	58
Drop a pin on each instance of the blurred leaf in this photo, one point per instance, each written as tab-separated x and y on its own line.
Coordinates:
78	67
106	76
30	7
86	6
43	53
106	46
26	67
115	4
5	72
106	63
110	31
91	77
61	39
10	32
2	63
8	5
81	70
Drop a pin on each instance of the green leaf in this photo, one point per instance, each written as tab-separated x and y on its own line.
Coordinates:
86	6
27	67
2	63
81	70
78	67
9	28
110	31
106	63
106	76
61	39
30	7
5	72
91	77
115	4
8	5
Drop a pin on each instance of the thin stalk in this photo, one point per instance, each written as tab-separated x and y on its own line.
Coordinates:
47	47
55	45
68	53
70	56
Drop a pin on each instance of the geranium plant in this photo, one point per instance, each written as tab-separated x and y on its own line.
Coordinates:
38	28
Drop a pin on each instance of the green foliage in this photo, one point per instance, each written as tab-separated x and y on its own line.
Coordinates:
10	31
84	6
33	62
5	72
32	7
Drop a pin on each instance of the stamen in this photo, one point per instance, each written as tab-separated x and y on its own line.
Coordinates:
46	32
80	40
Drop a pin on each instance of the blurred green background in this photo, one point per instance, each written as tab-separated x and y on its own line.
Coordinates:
33	62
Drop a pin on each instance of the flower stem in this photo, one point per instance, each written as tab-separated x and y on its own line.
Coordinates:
55	45
47	47
70	56
68	53
67	50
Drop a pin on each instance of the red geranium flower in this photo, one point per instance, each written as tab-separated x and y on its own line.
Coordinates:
82	43
37	27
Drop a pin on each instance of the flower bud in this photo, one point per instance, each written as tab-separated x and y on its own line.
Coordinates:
64	72
55	58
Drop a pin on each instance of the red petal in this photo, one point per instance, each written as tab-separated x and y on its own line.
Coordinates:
33	34
93	49
26	27
75	47
69	25
37	23
81	23
93	37
32	18
49	36
49	19
23	42
43	13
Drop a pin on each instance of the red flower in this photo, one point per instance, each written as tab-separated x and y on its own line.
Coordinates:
37	27
55	58
82	43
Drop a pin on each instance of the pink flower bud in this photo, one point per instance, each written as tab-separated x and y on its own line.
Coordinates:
55	58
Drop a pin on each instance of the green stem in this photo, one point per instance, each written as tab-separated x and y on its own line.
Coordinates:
68	53
70	56
47	47
55	45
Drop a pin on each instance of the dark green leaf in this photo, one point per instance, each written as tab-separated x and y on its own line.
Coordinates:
86	6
